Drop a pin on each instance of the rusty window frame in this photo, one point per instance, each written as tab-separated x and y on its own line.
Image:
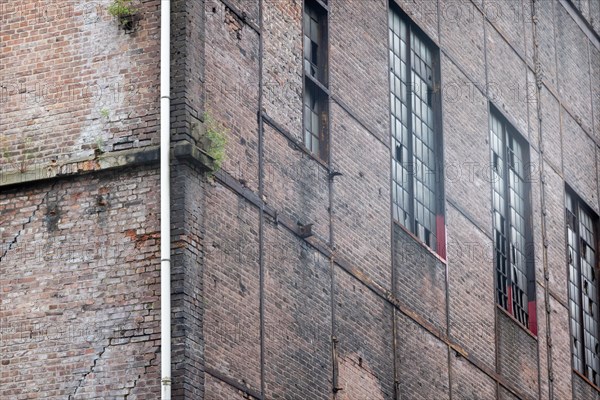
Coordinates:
583	268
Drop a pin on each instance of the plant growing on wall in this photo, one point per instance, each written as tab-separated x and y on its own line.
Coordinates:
214	140
99	145
124	11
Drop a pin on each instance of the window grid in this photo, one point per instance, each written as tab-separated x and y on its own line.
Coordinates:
312	38
315	69
583	289
413	132
311	122
510	227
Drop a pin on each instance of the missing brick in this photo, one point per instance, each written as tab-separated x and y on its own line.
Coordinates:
234	24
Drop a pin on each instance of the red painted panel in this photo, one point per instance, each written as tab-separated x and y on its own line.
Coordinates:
441	235
532	311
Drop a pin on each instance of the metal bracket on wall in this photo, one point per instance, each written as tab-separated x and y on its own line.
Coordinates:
333	174
305	230
336	387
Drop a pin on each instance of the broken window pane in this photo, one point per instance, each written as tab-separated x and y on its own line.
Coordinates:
508	154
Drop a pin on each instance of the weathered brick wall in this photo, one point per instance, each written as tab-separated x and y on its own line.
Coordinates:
231	278
189	253
187	67
79	262
298	320
232	88
363	327
590	10
357	56
359	310
361	223
72	80
79	316
487	57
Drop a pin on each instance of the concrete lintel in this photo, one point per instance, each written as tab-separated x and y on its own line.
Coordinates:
14	175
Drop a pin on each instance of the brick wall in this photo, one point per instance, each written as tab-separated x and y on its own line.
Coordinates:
79	315
73	81
358	310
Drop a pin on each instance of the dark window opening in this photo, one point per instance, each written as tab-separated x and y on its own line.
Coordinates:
316	112
399	156
582	242
515	281
315	120
315	41
415	132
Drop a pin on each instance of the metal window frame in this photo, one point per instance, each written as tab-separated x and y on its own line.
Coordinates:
578	205
321	100
438	246
510	132
317	85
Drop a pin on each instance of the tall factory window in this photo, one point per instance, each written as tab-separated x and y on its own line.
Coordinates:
416	132
582	241
316	93
515	281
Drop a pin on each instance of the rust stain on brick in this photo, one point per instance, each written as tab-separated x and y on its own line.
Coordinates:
90	165
141	239
234	24
130	233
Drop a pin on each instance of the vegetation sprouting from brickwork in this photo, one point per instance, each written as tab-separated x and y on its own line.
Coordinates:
215	140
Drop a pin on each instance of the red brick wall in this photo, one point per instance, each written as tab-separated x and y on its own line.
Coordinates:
72	79
79	316
487	56
358	310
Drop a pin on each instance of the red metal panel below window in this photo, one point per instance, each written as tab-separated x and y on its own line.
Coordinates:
531	310
441	235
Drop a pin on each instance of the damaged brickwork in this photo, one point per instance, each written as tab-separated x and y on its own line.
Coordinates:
290	278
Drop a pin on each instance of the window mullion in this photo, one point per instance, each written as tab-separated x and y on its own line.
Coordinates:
316	93
595	267
409	100
579	284
507	222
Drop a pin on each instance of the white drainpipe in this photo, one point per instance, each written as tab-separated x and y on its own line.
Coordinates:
165	199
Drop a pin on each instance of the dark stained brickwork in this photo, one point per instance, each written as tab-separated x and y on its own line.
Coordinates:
357	309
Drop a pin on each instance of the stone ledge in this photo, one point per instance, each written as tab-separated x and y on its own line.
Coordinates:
11	175
187	151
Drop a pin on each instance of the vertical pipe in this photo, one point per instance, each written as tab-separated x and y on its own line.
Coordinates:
261	189
165	194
